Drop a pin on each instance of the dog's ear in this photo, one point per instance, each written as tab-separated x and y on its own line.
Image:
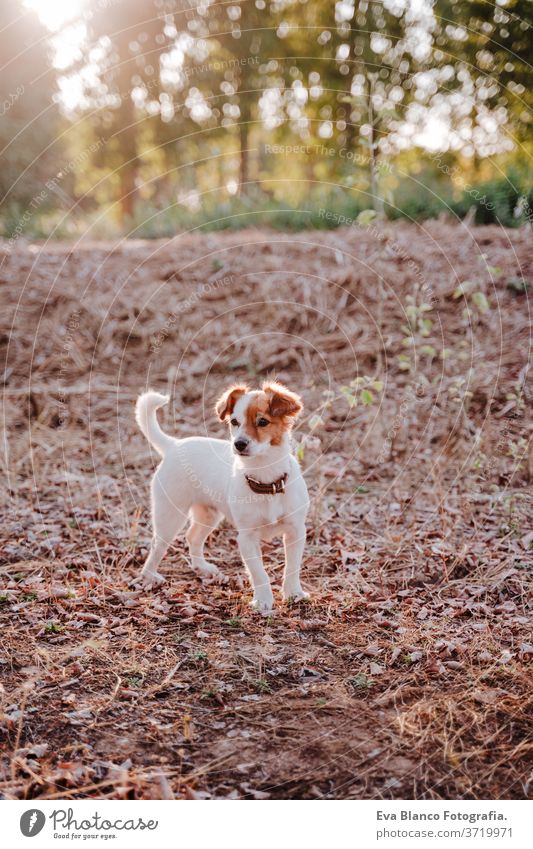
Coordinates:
225	404
281	401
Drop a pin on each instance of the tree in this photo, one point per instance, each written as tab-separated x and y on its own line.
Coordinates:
129	40
367	53
488	51
29	117
242	39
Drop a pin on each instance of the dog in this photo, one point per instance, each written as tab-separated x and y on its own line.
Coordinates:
252	480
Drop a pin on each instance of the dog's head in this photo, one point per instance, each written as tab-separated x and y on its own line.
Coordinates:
260	418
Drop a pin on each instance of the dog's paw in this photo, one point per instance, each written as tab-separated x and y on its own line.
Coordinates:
262	605
148	581
294	596
209	570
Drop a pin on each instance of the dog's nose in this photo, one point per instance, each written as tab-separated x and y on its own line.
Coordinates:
240	445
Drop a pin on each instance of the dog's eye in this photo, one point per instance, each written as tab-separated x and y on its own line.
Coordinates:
234	423
262	422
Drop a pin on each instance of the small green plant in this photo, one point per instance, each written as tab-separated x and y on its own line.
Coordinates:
473	296
361	681
28	596
512	528
518	450
360	391
199	656
209	694
416	333
473	292
4	599
262	686
234	622
217	265
134	679
458	391
366	217
517	397
518	285
53	628
480	462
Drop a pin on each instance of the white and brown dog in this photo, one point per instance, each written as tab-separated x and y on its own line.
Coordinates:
253	480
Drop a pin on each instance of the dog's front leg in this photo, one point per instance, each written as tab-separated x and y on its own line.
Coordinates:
293	542
250	548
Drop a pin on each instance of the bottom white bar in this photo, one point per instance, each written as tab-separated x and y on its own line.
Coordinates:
260	824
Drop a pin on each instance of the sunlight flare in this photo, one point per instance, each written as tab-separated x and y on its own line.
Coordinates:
55	13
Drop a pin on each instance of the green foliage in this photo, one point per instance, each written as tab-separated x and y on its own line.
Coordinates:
234	622
172	146
199	656
238	212
361	681
416	332
500	201
28	596
421	199
359	391
491	43
473	297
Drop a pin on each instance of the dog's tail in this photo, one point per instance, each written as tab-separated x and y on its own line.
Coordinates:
145	415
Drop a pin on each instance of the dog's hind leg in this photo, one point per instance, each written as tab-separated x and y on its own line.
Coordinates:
168	520
204	519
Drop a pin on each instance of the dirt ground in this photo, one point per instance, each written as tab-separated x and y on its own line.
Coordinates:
408	674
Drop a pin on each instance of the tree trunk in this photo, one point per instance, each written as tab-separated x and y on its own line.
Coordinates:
125	130
243	155
377	200
127	142
128	191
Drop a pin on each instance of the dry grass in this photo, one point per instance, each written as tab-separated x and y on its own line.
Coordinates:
409	673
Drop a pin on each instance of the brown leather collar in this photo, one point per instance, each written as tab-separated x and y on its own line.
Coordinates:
267	488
